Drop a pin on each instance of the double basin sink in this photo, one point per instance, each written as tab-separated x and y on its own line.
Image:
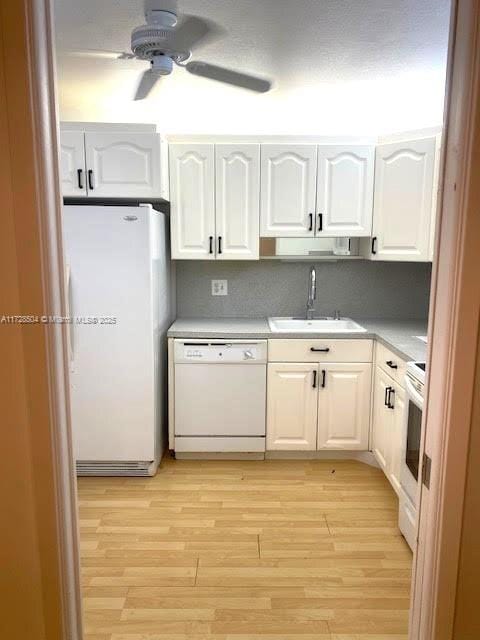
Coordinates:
316	325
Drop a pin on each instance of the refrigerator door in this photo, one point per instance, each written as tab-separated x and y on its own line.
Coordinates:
108	250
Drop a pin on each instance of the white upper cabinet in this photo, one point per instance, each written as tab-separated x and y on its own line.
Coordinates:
237	192
288	186
215	195
345	190
123	164
383	195
344	406
403	200
72	163
292	407
192	196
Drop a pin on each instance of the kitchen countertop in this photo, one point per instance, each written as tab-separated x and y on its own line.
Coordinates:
397	335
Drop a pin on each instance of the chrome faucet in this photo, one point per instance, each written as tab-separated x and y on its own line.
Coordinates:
312	293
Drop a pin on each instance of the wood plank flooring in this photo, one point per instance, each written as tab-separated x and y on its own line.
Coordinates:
222	550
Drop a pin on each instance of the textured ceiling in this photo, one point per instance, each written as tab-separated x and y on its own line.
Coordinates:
363	63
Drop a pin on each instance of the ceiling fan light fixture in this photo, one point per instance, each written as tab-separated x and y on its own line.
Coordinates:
162	65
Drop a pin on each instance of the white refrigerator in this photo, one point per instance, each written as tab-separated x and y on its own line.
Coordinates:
120	305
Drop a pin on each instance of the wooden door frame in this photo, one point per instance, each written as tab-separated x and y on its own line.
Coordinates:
453	332
38	536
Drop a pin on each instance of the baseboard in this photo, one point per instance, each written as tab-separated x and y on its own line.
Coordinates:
366	457
212	455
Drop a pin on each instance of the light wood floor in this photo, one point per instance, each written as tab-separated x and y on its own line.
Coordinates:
234	550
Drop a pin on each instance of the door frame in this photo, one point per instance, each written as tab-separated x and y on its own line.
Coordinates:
44	600
453	334
455	307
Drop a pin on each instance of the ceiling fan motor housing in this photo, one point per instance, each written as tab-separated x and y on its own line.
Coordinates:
163	13
149	41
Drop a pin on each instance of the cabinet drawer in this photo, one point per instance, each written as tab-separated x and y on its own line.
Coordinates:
320	350
390	363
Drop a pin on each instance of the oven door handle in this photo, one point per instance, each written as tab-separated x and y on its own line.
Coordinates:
413	393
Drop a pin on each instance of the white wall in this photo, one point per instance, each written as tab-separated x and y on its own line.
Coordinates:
361	67
184	104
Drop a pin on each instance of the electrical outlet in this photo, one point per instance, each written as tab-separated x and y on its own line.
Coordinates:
219	287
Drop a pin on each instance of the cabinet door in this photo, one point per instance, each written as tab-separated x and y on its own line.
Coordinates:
345	190
398	400
344	406
237	179
123	165
292	407
288	186
403	200
382	420
192	199
72	163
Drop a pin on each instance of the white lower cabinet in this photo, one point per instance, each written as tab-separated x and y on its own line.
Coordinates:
344	406
318	406
292	406
398	401
381	434
388	425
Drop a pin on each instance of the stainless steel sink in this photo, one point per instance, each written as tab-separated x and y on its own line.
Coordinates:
316	325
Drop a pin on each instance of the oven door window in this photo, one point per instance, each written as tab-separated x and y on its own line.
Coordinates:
414	432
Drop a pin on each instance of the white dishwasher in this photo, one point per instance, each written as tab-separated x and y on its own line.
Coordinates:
220	395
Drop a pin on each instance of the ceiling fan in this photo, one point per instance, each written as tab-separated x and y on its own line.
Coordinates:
166	40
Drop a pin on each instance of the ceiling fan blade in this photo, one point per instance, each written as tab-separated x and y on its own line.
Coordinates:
148	80
228	76
98	53
193	31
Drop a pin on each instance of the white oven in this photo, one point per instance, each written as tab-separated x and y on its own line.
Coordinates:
409	473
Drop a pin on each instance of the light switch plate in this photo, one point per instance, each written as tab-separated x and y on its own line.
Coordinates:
219	287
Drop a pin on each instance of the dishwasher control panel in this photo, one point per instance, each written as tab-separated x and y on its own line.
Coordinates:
218	351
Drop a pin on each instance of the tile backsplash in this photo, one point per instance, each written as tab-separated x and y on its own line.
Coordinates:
357	288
